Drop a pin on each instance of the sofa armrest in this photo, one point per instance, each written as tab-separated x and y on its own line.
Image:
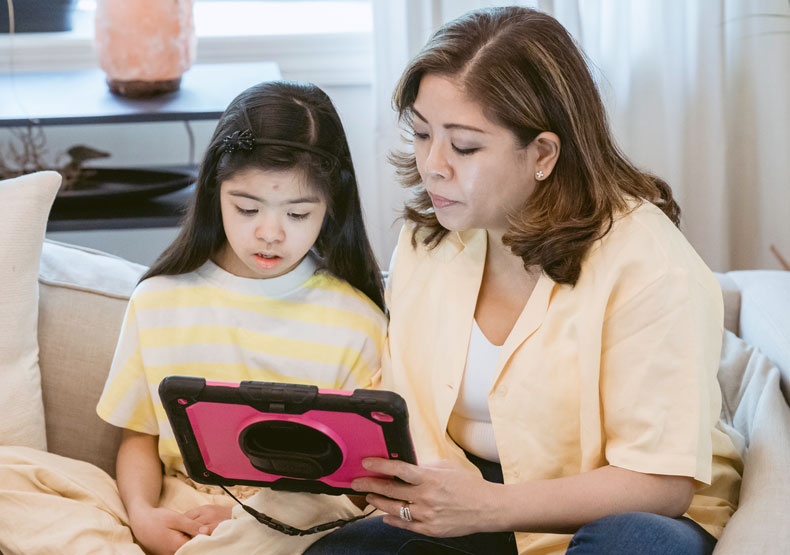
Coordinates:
83	295
760	523
765	316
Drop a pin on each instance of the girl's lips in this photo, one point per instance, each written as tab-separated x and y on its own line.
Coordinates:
441	202
267	263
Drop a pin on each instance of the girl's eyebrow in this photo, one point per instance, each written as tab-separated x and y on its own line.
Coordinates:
449	125
301	200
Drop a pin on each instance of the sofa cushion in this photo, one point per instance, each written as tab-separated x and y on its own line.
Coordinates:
764	322
24	207
757	417
84	294
731	295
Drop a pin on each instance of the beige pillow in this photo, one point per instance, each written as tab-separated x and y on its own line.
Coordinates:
24	207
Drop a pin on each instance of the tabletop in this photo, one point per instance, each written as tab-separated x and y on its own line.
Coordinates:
82	97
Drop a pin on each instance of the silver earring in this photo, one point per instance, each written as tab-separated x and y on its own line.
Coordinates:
539	174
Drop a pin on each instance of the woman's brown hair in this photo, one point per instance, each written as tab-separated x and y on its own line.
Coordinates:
529	76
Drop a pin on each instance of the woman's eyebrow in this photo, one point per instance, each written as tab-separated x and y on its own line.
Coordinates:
449	125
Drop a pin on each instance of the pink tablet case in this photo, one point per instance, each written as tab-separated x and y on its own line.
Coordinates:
285	436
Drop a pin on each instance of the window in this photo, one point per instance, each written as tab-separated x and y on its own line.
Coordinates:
324	41
262	17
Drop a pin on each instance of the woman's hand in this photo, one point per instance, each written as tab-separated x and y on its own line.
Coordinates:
444	500
162	531
209	517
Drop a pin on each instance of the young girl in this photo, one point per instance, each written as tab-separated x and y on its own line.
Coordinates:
271	278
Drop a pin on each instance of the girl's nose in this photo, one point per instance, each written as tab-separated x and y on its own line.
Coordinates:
269	230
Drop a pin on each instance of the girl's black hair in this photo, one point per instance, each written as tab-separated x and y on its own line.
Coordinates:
281	111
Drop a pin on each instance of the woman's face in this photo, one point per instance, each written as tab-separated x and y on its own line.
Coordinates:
474	170
271	219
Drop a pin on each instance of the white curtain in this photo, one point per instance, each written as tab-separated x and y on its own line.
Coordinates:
400	29
697	91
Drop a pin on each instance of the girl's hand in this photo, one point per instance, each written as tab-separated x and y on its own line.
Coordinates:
209	516
444	500
162	531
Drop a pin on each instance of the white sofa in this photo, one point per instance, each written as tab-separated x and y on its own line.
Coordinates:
755	379
81	295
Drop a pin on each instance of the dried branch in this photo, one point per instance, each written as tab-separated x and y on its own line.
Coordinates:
33	147
782	262
27	150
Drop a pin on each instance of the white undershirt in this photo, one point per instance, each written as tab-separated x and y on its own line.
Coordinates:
470	422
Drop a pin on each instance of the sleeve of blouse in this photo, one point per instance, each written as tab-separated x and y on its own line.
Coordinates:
659	393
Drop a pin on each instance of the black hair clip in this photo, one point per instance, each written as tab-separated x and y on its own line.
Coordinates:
238	140
245	140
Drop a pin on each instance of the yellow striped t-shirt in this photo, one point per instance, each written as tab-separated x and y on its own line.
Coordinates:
304	327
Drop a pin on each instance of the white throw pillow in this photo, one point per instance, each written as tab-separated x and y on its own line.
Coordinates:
24	208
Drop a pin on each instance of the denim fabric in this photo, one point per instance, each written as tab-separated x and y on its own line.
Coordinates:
372	537
642	534
625	534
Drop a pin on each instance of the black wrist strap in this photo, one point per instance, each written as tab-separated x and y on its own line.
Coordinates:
283	528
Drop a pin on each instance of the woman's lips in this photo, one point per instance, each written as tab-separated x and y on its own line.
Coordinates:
267	263
441	202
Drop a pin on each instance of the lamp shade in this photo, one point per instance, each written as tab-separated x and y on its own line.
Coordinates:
144	46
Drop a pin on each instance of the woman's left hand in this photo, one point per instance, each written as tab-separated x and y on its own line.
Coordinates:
443	500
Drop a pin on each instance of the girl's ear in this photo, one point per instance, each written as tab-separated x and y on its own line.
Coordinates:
547	146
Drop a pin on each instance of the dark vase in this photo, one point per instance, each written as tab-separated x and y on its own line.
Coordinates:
38	16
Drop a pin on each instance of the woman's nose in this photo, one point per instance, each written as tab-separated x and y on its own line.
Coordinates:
269	230
436	165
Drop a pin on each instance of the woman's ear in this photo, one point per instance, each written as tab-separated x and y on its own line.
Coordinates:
547	146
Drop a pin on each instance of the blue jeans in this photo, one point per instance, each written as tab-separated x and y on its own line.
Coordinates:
630	533
372	537
625	534
642	534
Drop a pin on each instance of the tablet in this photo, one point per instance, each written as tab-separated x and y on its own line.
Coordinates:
283	436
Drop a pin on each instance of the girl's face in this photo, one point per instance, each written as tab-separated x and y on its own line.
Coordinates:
271	220
474	170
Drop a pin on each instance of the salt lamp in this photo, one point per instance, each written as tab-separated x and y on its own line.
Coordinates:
144	46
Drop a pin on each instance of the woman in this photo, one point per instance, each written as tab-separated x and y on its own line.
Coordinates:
550	326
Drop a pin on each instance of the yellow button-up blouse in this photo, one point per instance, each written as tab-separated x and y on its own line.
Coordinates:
619	369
